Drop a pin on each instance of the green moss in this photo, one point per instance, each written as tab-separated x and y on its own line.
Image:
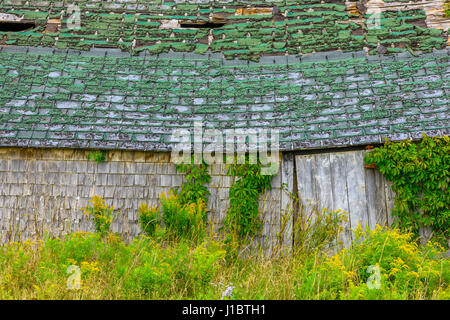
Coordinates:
201	48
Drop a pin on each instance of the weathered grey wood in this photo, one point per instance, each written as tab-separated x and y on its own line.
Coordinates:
390	194
356	190
307	186
322	181
287	203
381	217
371	193
49	188
339	187
48	194
305	166
340	181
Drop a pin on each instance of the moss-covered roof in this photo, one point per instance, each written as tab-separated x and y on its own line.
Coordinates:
300	67
293	27
111	100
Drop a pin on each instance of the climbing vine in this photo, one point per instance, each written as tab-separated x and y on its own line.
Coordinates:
193	188
242	216
420	173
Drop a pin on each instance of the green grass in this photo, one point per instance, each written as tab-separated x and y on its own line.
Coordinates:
154	269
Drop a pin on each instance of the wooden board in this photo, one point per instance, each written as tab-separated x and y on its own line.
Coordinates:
339	187
287	205
356	190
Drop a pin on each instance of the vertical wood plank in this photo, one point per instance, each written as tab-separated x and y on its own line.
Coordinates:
306	170
380	199
390	194
371	192
305	165
338	168
356	190
322	181
287	179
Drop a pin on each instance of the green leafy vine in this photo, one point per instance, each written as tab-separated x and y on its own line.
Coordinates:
242	216
98	156
420	173
193	188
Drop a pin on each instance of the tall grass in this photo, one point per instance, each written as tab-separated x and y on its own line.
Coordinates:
149	268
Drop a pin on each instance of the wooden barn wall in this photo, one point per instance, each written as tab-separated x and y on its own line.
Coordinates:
44	190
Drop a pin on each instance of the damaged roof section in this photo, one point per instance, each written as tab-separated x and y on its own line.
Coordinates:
236	29
13	23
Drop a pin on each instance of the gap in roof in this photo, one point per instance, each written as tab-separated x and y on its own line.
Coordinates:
218	20
16	26
13	23
201	25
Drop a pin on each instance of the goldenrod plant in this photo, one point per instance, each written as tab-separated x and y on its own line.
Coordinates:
102	214
149	219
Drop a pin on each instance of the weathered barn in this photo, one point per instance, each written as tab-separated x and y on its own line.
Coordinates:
132	72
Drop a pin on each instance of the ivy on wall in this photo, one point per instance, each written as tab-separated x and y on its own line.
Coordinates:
242	216
193	188
420	173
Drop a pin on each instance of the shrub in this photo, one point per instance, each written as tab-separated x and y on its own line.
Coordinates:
182	211
405	266
407	271
186	268
183	220
98	156
206	258
149	218
146	269
102	214
317	230
193	188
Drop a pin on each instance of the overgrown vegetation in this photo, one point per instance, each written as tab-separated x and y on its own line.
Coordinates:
242	217
318	229
150	269
101	213
420	173
183	211
183	220
149	219
194	187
